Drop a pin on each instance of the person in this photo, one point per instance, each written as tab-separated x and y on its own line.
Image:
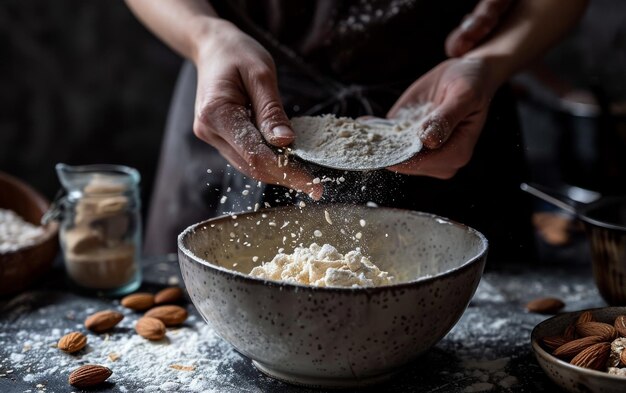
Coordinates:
355	58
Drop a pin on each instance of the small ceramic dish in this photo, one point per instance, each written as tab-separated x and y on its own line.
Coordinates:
569	377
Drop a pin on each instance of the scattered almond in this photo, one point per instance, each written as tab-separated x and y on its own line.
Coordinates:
150	328
545	305
593	357
103	320
620	325
622	358
72	342
553	342
89	375
169	315
604	330
138	301
585	317
573	348
169	295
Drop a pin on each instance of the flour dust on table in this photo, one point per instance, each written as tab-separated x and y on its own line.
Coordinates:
176	364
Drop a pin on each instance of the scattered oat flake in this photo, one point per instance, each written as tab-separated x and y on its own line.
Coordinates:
180	367
327	217
113	356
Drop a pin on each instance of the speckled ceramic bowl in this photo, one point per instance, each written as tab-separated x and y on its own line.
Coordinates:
333	337
572	378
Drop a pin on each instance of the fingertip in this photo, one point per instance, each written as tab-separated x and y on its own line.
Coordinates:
282	136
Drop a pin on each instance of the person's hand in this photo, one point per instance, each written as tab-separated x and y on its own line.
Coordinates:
238	109
459	92
476	26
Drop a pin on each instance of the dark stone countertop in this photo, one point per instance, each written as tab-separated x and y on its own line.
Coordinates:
488	349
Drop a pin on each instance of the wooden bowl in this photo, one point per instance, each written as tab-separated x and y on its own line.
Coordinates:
21	268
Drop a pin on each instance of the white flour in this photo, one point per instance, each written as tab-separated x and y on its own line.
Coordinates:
15	233
323	267
345	143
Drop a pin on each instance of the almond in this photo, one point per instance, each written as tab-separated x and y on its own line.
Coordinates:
553	342
89	375
622	358
570	332
72	342
604	330
150	328
573	348
168	295
169	315
103	320
620	325
545	305
585	317
593	357
138	301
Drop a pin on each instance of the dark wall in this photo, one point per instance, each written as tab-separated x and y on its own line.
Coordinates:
81	81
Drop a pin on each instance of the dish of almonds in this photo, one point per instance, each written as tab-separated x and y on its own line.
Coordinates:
584	351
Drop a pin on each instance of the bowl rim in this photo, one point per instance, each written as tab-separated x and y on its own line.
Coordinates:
539	351
50	230
402	285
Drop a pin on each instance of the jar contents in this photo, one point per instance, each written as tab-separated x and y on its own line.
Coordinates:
100	228
16	233
323	266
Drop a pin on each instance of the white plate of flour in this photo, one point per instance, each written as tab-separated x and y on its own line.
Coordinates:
355	145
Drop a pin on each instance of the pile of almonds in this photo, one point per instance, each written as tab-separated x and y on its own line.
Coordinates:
591	344
151	326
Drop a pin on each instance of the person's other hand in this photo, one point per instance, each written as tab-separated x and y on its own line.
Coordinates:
459	92
476	26
238	109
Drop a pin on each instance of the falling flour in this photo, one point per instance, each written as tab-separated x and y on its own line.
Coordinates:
346	143
323	266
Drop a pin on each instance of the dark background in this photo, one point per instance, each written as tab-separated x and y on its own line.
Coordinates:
82	82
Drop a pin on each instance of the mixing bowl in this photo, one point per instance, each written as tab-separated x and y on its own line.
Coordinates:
332	337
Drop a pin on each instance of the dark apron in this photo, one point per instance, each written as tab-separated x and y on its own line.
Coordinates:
484	194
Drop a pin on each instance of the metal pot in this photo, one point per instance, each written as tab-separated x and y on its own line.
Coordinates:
604	219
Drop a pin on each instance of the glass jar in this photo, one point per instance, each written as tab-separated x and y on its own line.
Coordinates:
100	229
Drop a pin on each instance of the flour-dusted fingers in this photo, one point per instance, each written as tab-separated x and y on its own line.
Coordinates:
262	162
268	113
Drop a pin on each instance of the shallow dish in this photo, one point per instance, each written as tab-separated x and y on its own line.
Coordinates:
333	337
21	268
573	378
